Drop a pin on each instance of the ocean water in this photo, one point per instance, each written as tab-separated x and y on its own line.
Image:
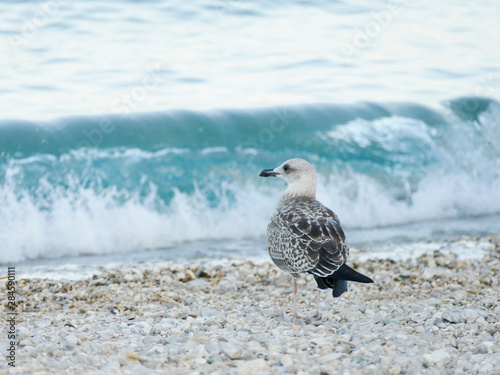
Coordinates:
136	130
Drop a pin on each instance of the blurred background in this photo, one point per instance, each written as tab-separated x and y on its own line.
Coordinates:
139	129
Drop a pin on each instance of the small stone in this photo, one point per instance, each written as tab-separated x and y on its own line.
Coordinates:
369	313
470	315
438	315
287	360
332	357
427	274
113	367
481	321
207	312
379	316
144	328
253	366
496	310
72	340
440	356
430	273
134	355
198	339
485	347
231	349
453	316
44	323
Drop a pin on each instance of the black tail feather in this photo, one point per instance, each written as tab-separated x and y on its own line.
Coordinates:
338	286
347	273
338	280
324	283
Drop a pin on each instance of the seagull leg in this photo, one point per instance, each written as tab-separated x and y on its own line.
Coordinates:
317	306
316	314
294	285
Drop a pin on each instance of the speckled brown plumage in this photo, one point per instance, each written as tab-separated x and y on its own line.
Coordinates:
305	236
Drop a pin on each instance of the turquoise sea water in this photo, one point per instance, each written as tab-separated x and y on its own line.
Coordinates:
131	128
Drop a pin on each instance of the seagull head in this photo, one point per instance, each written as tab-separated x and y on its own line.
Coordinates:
300	176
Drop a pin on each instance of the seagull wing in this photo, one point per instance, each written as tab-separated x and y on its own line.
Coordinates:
305	236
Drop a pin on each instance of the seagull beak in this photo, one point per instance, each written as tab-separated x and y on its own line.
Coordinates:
268	173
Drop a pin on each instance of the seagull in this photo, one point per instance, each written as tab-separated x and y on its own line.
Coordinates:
304	236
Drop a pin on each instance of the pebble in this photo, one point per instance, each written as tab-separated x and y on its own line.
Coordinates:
437	356
208	312
198	339
72	340
486	347
231	349
454	316
434	314
252	367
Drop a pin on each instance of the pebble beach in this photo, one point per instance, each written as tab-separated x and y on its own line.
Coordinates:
433	314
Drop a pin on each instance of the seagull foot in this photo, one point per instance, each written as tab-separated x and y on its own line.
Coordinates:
307	317
316	315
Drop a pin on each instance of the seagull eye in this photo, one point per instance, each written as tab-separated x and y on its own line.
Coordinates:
286	168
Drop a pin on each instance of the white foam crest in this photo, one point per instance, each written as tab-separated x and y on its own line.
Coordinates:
240	212
387	132
120	153
362	202
85	222
76	223
214	150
